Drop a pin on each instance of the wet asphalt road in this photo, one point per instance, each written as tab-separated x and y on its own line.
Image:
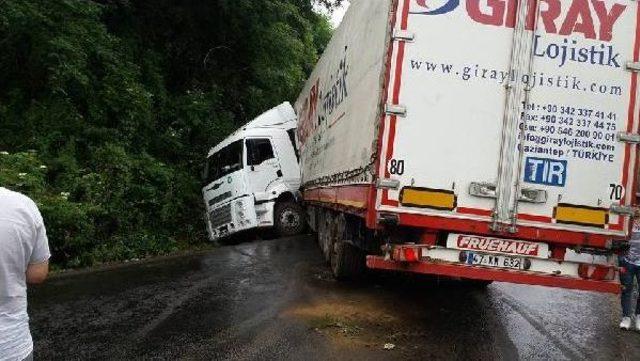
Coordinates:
276	300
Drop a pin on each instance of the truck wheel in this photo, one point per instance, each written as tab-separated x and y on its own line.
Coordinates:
347	261
289	219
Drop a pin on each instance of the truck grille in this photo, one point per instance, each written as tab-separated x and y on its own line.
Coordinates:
220	198
220	216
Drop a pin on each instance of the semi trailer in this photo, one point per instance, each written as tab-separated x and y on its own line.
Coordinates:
490	140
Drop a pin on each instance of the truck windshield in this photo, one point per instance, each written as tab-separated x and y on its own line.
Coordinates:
227	160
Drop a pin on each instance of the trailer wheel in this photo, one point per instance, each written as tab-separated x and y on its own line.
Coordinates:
348	262
289	219
318	224
325	233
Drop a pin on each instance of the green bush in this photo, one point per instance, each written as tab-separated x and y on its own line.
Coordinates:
68	223
120	212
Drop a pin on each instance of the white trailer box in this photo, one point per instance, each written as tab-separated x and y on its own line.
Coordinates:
505	118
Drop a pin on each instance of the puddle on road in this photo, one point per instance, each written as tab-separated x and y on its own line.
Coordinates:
409	317
356	323
426	319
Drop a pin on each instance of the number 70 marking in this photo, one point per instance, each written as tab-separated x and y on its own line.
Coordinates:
617	191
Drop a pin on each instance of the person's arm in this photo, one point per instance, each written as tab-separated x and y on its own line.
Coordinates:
37	273
38	268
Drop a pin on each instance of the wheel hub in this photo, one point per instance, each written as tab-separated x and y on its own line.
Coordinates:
290	219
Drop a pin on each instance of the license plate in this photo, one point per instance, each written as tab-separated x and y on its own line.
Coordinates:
495	261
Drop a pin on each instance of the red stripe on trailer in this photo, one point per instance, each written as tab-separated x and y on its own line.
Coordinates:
310	195
500	275
474	211
636	57
405	15
524	232
371	220
392	135
617	227
396	99
631	118
354	196
534	218
487	213
327	195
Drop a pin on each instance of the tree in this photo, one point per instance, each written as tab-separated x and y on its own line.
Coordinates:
121	100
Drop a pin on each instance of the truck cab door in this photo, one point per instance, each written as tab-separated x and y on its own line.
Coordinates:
262	163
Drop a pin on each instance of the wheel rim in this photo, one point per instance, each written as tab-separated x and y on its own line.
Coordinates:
290	220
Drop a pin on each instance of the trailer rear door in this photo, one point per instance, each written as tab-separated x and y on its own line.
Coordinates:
513	115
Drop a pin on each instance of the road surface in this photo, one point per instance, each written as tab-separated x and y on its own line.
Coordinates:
275	299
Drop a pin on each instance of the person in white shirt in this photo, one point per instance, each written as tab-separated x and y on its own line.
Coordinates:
24	259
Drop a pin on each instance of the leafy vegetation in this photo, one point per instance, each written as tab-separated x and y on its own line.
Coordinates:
107	109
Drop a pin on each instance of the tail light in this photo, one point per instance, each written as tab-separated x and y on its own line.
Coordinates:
406	254
558	253
596	273
411	255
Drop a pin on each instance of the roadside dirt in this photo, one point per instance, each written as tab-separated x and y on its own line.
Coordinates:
364	317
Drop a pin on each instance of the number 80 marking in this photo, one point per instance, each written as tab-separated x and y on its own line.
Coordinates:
396	167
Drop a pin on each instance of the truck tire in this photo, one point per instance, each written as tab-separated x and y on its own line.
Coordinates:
348	262
318	222
325	233
289	219
476	284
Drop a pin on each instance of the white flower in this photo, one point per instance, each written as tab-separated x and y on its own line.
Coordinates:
43	167
65	195
22	175
4	152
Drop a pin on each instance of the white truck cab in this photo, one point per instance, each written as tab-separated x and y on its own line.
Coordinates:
252	178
